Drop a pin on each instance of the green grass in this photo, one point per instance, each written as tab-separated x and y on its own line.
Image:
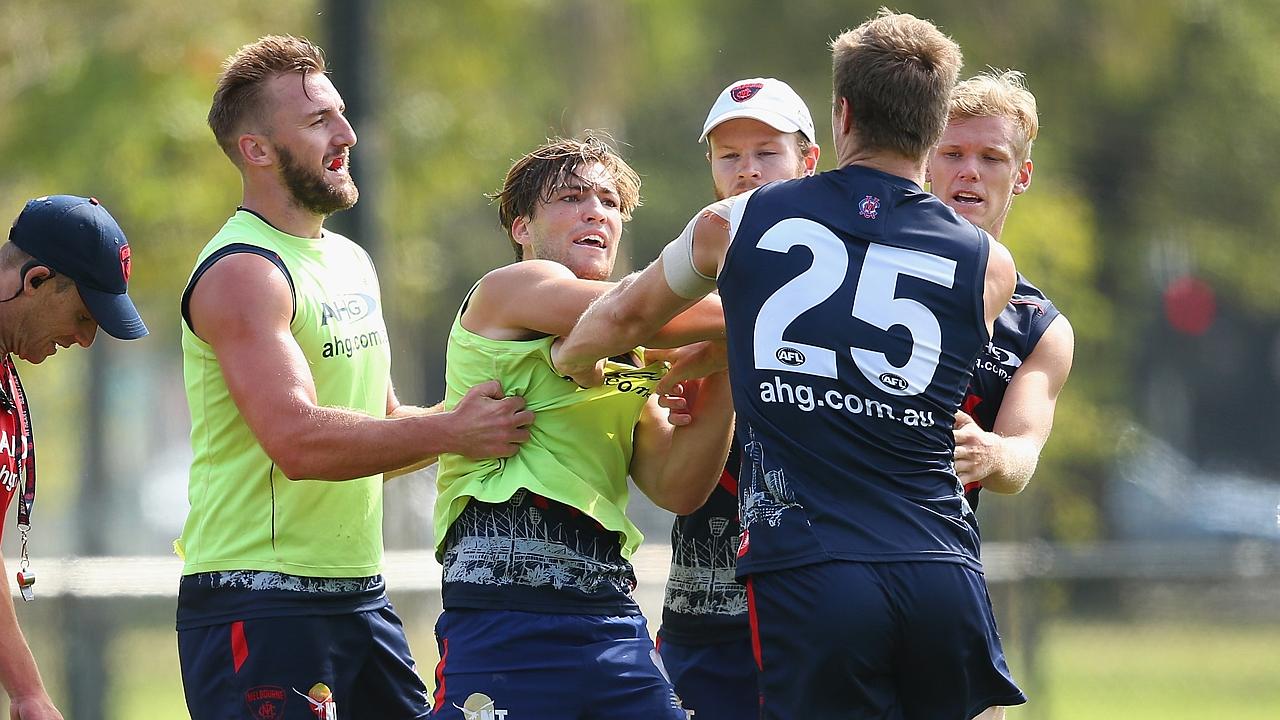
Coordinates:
1090	671
1111	671
146	681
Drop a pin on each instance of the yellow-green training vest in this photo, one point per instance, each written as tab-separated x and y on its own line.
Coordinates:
245	514
579	446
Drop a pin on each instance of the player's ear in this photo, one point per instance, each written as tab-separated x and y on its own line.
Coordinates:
810	159
520	231
255	150
34	275
1022	182
842	116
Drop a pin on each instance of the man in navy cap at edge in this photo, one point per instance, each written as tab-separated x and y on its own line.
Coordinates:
63	273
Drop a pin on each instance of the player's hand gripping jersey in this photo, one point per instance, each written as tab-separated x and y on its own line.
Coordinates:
1017	331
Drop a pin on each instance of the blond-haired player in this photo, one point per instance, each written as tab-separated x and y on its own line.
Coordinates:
981	164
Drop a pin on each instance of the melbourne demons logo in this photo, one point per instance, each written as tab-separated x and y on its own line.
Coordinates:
126	262
266	702
745	91
869	206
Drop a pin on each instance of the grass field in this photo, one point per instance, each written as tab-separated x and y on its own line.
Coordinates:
1092	671
1100	671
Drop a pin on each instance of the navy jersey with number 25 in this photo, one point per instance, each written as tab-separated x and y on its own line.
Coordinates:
853	302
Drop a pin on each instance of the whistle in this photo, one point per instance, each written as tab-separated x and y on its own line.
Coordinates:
27	578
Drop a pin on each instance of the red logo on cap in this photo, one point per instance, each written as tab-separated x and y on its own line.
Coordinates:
126	264
745	91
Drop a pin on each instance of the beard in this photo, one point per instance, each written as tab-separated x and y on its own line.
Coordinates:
564	256
311	190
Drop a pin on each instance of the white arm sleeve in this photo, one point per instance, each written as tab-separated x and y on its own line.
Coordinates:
682	276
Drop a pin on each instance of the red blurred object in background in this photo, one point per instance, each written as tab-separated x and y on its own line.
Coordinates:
1190	305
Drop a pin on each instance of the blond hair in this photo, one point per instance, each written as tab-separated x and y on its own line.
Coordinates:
238	97
534	178
896	71
1000	93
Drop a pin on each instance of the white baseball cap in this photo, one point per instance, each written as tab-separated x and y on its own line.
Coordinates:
768	100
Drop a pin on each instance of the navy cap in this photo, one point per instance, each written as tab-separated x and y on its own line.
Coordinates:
77	237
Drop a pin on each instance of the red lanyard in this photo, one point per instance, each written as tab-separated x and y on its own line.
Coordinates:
14	399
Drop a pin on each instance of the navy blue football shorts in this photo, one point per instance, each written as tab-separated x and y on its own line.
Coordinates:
717	681
879	641
498	664
354	667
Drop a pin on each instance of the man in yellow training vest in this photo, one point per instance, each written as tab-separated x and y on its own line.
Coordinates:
294	421
539	620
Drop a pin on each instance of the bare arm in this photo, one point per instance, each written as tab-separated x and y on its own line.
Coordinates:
690	361
28	699
271	385
1002	278
536	298
634	309
1005	459
677	468
704	321
396	410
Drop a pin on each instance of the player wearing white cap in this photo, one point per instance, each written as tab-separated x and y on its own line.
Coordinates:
758	131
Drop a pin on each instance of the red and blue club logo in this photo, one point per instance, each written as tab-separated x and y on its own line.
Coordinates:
869	207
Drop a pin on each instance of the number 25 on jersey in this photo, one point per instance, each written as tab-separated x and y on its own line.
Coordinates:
875	302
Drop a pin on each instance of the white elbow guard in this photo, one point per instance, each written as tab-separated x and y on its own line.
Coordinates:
682	276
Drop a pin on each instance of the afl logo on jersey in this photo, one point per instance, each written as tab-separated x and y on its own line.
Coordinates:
789	356
897	382
869	206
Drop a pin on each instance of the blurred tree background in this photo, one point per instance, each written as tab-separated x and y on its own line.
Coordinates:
1151	220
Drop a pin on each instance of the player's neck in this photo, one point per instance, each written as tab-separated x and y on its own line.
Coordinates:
997	227
276	205
890	163
10	319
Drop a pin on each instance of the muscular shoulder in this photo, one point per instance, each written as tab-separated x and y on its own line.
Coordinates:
520	274
1001	278
1056	347
518	280
239	290
527	300
1000	266
712	229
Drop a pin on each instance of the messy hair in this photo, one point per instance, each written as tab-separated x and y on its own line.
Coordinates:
999	93
534	178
